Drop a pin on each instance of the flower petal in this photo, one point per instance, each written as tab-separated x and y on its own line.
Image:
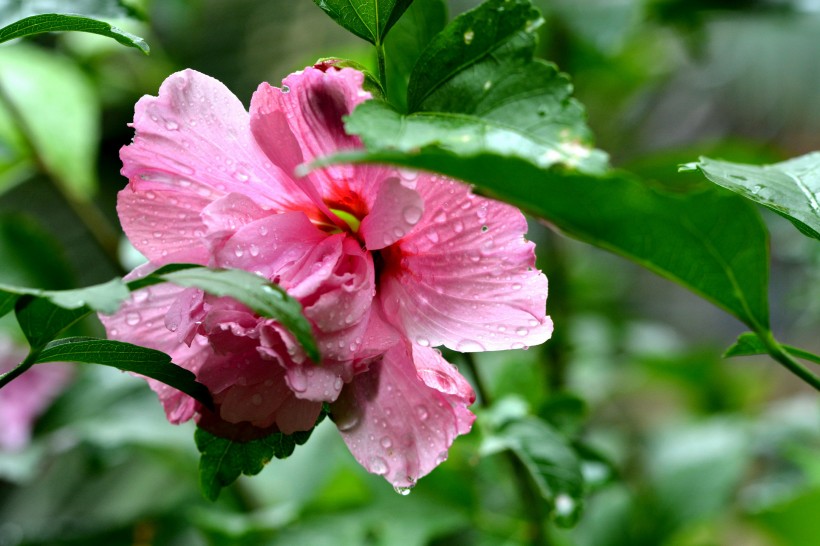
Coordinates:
141	320
395	211
194	142
465	277
398	421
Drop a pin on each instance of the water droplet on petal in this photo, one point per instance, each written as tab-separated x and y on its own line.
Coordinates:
422	412
458	226
297	382
516	286
469	346
412	214
403	491
132	318
386	442
522	331
239	252
432	235
423	341
254	250
338	383
171	125
378	466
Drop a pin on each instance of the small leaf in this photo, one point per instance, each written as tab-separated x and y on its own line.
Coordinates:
7	301
552	463
749	344
127	357
264	298
55	107
41	321
790	188
223	461
367	19
57	22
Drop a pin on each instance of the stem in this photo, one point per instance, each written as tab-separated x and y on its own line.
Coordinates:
778	354
95	222
21	368
382	70
530	498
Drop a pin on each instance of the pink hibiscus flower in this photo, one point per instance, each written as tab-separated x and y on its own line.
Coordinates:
386	264
27	396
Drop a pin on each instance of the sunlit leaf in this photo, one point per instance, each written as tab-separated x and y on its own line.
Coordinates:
127	357
263	297
57	22
105	297
790	188
55	108
499	100
222	461
714	244
368	19
749	344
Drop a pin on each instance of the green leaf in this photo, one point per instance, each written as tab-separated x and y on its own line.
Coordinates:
126	357
714	244
367	19
105	297
790	188
552	464
41	320
469	38
55	108
264	298
749	344
7	301
402	48
222	460
56	22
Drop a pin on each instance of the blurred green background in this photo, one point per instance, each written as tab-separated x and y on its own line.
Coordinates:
682	448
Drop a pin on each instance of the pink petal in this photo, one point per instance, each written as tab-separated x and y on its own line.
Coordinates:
465	277
395	211
141	320
194	142
270	245
27	396
398	421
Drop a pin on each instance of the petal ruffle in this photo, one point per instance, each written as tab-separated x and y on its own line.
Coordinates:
141	320
194	142
465	277
395	211
400	417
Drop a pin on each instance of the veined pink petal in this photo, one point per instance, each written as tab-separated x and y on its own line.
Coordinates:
193	141
270	245
465	277
396	210
141	320
399	421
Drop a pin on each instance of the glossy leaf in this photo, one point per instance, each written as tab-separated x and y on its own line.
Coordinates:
264	298
55	108
749	344
368	19
790	188
714	244
469	38
129	358
222	461
552	464
41	320
403	46
105	297
57	22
